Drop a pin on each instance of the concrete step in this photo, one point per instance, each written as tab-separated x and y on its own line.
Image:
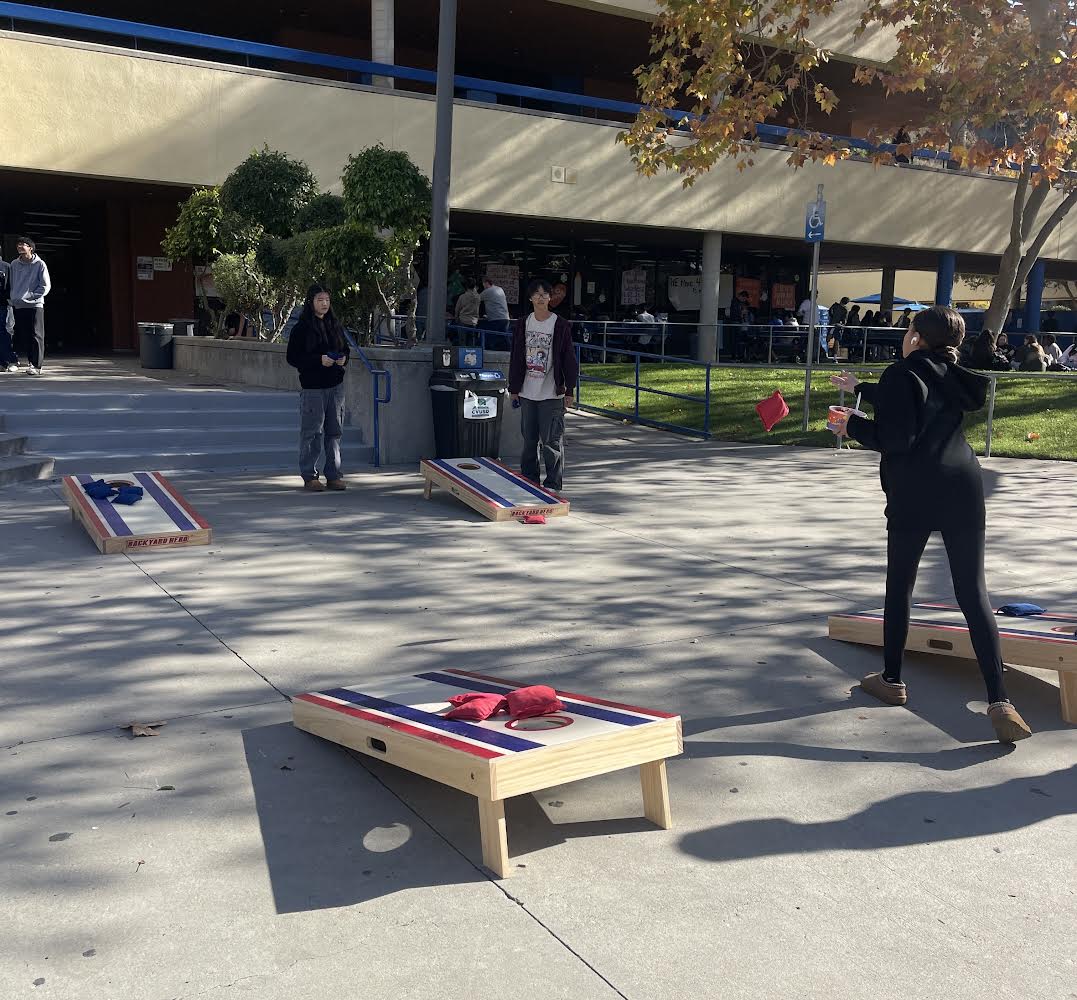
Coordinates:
11	444
58	418
226	458
150	439
21	468
24	400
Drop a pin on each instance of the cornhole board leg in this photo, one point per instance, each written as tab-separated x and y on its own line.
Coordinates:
494	836
1068	691
656	794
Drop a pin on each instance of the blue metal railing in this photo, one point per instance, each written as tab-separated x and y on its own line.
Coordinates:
773	134
704	400
262	50
375	387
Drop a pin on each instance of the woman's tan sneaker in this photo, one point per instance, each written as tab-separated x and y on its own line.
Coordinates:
886	691
337	484
1009	726
314	485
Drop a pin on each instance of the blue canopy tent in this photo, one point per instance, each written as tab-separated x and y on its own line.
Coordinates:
899	303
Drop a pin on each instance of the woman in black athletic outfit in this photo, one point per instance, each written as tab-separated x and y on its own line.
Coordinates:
932	483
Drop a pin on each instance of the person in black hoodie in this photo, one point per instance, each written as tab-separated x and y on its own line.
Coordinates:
9	360
932	482
318	349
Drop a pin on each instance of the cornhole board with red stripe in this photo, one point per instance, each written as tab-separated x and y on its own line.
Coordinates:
491	488
1046	641
162	519
401	721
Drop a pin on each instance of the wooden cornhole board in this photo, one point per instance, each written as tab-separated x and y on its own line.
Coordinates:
491	488
399	721
162	519
1045	641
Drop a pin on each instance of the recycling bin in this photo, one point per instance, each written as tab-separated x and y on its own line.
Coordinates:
468	407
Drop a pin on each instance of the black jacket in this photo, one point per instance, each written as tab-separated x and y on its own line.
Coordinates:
929	472
5	285
310	339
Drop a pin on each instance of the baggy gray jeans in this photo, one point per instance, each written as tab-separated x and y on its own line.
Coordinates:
321	423
543	423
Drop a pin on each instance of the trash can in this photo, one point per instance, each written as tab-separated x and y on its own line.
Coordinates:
468	407
155	345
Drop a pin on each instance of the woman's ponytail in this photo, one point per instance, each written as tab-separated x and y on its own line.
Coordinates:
942	329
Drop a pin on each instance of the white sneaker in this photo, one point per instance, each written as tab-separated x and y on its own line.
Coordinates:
11	368
33	371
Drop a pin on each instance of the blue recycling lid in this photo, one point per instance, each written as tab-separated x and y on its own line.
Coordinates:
488	375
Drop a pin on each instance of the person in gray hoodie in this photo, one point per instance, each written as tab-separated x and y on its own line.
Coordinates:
29	285
7	355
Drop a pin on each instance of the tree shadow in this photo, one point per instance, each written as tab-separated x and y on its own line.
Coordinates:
335	836
925	817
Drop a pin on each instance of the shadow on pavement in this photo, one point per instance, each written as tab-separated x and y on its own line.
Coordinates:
921	817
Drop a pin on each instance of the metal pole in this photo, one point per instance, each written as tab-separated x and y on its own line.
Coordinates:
438	274
637	389
841	402
812	319
707	406
990	416
770	346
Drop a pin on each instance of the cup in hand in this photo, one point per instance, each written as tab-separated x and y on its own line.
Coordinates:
838	418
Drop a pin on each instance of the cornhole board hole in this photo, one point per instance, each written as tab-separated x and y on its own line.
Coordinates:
491	488
400	721
162	519
1046	641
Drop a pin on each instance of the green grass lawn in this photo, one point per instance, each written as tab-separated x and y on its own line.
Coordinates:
1029	405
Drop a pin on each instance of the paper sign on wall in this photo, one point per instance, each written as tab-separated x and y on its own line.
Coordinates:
633	287
162	264
508	277
144	268
783	296
685	291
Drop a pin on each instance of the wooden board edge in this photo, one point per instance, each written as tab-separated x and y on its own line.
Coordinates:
532	770
1017	651
455	768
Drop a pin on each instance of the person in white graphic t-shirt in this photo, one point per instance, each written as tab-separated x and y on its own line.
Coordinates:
542	376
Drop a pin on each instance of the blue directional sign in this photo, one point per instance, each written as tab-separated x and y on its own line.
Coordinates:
815	221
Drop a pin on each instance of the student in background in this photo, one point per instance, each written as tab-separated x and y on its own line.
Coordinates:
542	376
318	349
30	283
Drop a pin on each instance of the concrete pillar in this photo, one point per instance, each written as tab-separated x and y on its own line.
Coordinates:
707	341
886	293
944	279
383	37
1034	298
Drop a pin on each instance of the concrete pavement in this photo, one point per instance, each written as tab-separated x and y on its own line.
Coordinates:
823	845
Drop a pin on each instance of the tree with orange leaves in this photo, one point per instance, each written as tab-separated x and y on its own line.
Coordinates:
998	80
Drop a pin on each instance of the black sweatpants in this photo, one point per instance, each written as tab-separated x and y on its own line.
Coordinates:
543	425
965	551
30	335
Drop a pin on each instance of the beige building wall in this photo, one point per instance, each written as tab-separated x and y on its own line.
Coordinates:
109	113
836	33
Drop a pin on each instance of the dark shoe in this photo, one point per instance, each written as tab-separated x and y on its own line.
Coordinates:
886	691
314	485
337	484
1009	726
